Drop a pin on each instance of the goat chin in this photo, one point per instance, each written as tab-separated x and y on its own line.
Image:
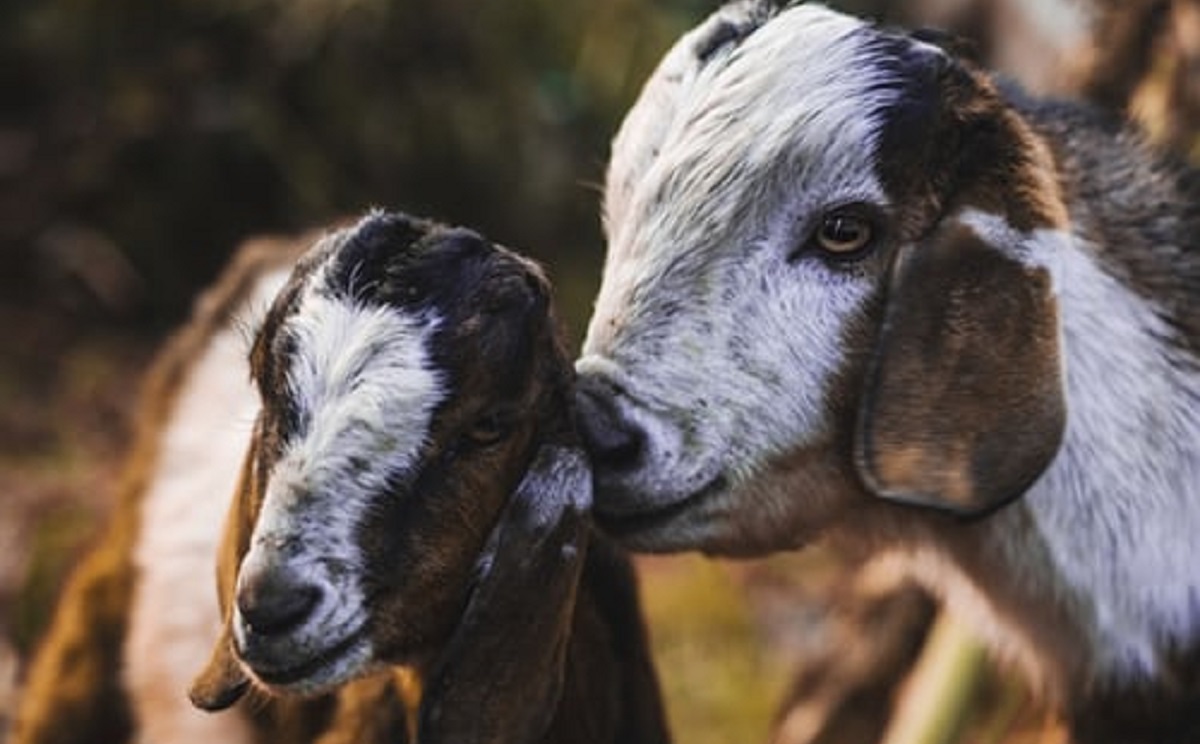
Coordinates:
857	288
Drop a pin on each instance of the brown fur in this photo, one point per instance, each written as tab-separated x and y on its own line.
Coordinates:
968	448
74	691
487	673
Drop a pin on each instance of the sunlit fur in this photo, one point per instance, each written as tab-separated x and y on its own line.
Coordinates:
139	612
173	616
740	355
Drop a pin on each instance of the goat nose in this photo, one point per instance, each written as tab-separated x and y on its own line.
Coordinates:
272	602
612	440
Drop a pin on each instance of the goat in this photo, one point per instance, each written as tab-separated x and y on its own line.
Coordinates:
132	622
137	617
414	499
858	289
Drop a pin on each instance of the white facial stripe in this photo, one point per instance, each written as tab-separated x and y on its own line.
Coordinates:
362	382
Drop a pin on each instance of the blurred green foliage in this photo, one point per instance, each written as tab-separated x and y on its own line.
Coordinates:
170	129
721	681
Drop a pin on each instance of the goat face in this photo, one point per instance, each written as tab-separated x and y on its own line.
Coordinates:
830	276
403	372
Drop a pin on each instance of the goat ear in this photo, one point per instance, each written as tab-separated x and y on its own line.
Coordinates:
957	46
963	406
223	682
501	676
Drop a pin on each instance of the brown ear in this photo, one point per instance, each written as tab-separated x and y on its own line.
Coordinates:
222	682
963	405
501	676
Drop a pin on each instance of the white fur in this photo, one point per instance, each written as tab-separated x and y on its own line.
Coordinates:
1041	249
716	270
365	390
174	614
1128	474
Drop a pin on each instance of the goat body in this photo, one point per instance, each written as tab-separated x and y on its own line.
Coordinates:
857	289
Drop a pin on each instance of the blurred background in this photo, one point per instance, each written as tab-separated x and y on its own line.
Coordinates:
142	140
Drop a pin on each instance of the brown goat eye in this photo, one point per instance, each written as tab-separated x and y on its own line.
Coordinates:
843	234
488	430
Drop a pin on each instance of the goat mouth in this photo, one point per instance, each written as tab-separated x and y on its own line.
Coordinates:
325	668
628	526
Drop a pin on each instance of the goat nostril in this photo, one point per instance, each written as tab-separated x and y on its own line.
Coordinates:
612	440
275	602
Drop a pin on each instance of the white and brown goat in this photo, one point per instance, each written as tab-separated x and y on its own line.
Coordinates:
414	499
409	522
856	288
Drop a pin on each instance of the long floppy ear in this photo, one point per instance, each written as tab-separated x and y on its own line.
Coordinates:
963	405
223	682
501	676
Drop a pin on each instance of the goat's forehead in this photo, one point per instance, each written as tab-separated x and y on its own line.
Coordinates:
342	340
802	97
359	383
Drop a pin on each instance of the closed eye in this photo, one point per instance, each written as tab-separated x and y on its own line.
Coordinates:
490	429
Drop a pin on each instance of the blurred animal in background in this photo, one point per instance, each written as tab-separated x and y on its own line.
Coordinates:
408	551
1140	57
858	288
137	614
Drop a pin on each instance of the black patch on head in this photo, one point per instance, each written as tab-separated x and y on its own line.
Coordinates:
363	257
489	302
949	137
493	307
919	137
724	34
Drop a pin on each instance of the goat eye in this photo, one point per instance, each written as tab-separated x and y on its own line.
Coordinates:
488	430
844	234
